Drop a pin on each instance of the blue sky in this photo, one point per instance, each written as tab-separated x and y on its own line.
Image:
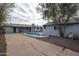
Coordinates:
25	13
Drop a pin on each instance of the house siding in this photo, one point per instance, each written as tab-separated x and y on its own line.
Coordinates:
8	29
17	30
51	31
72	28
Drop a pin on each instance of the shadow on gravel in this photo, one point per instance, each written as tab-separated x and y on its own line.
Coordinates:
2	45
66	43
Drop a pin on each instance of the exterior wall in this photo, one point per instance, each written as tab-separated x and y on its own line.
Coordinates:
17	30
8	29
50	30
72	28
23	29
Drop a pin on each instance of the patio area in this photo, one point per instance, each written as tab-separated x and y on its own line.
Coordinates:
21	45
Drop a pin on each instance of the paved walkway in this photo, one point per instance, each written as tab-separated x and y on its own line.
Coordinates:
21	45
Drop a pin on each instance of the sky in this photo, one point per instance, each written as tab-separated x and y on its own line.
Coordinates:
25	13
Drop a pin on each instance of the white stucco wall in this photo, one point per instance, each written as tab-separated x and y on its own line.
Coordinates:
51	31
8	29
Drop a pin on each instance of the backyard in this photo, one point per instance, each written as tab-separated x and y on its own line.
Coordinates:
20	45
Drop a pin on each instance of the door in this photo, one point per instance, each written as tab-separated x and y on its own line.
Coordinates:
14	29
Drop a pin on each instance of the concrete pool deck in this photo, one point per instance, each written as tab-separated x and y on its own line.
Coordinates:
21	45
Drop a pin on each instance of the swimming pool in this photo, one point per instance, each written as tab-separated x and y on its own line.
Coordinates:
35	34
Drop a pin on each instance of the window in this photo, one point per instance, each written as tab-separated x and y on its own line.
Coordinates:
37	27
44	27
55	27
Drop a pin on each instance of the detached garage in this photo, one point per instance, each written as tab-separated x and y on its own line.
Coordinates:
17	28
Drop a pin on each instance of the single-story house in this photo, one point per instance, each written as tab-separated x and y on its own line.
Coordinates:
70	27
19	28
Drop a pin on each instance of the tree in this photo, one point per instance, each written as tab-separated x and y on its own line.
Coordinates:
60	13
4	10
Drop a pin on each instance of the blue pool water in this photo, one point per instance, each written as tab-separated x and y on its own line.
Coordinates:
33	34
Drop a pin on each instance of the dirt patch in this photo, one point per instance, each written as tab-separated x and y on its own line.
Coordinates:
66	43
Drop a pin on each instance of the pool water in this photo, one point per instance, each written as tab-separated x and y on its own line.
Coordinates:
36	34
